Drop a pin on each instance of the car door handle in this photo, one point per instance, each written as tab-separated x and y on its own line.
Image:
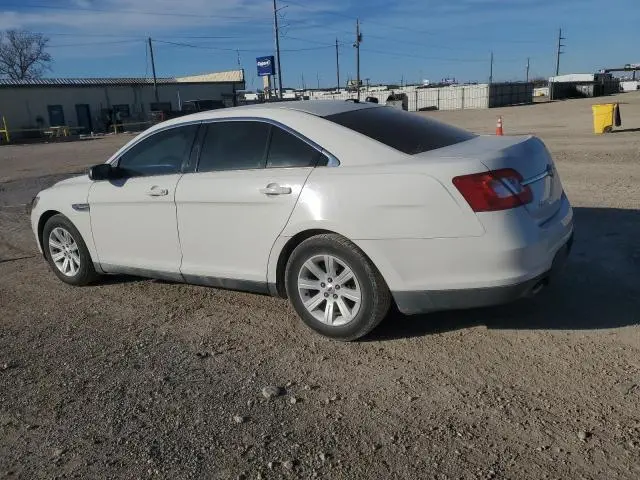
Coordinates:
275	189
156	191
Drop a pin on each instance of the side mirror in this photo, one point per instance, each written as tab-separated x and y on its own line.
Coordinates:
103	171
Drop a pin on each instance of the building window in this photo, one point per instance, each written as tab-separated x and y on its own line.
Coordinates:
160	106
123	109
56	115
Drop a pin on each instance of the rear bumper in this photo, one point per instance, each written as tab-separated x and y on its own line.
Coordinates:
414	302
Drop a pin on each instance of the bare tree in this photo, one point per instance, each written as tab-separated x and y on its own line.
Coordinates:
23	55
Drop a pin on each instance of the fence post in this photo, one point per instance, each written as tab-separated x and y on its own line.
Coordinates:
438	105
462	97
5	129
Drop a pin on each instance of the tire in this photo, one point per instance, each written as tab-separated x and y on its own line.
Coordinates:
60	236
308	281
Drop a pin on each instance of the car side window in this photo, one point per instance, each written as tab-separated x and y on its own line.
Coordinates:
287	150
237	145
160	154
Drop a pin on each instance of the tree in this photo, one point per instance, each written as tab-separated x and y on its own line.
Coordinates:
23	55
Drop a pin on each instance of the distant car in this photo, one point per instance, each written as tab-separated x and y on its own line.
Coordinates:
343	207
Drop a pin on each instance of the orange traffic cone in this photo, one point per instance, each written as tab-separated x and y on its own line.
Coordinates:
499	130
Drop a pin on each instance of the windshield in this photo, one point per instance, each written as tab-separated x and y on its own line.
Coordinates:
408	132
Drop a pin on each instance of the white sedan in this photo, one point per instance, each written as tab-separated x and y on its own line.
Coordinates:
341	207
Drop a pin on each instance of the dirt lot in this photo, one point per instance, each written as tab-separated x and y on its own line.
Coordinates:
135	378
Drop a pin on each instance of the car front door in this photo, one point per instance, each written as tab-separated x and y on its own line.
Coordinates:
133	217
232	209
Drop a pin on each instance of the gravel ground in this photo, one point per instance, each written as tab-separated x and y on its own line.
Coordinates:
136	378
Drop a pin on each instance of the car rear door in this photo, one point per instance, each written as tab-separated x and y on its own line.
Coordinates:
233	207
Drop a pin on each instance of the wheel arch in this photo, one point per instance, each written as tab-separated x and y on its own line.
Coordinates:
41	223
279	289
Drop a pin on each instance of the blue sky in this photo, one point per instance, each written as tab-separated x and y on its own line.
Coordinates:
410	39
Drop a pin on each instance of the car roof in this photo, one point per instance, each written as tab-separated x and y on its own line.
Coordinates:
320	108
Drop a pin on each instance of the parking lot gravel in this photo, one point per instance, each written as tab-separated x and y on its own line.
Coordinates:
135	378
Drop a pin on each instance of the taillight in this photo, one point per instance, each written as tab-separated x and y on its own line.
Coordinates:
495	190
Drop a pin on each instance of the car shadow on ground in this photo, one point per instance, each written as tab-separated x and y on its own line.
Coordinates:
598	289
118	279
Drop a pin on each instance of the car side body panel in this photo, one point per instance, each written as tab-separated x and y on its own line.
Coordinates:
70	198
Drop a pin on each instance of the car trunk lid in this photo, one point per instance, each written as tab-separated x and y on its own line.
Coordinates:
525	154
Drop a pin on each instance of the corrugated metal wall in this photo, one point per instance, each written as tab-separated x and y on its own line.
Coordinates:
504	94
22	106
458	97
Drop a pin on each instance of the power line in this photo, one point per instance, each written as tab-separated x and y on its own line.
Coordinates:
401	54
394	39
142	37
137	12
258	49
85	44
312	41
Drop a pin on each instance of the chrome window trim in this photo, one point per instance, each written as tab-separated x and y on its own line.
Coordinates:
332	160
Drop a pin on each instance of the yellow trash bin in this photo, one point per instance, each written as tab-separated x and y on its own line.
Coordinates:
604	116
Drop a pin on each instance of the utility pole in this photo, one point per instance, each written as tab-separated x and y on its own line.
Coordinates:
277	33
491	70
559	52
304	86
357	46
527	70
153	69
338	64
318	79
238	55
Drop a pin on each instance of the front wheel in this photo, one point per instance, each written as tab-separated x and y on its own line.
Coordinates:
66	252
335	289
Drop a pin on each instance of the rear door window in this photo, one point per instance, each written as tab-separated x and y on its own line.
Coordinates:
287	150
410	133
237	145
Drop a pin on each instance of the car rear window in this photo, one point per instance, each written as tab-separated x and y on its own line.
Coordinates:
408	132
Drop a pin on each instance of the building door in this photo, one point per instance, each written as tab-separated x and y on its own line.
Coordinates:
56	115
84	117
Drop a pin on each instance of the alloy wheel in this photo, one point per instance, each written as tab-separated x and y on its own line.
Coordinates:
64	251
329	290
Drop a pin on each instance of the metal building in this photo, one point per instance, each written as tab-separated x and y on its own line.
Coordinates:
90	104
577	85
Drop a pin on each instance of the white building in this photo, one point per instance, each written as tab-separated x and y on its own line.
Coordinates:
88	104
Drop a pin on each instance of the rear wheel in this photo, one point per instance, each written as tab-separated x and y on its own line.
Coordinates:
335	289
66	252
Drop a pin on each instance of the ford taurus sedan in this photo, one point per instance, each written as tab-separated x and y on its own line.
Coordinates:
342	207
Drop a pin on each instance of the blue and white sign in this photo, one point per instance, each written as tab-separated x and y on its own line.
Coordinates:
266	66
